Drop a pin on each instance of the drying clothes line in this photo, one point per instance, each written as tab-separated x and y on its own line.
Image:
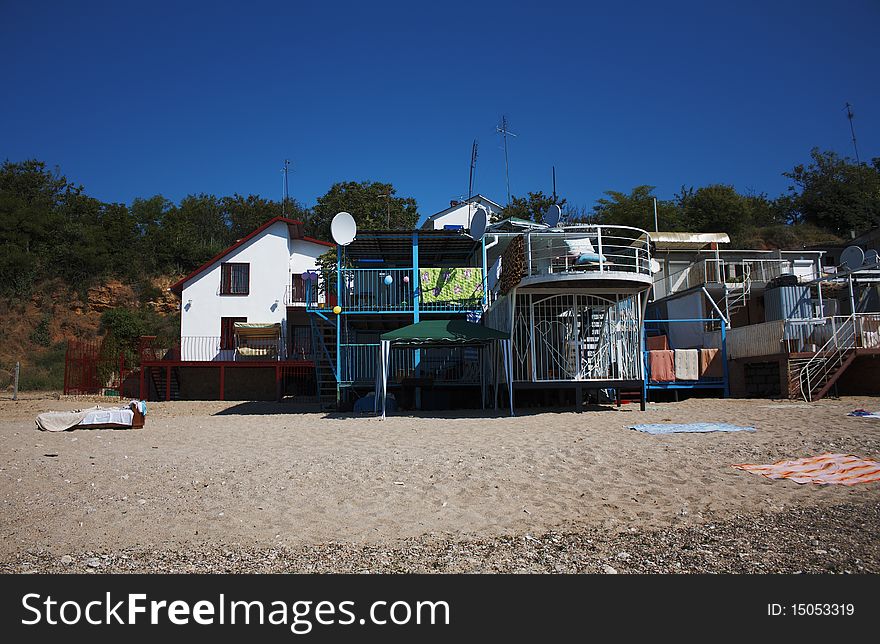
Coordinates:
825	469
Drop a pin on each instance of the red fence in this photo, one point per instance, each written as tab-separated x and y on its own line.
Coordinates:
91	369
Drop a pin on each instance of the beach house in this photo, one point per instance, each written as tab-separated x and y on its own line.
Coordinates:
791	323
244	331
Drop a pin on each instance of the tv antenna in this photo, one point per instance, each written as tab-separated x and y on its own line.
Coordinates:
852	129
554	183
504	130
473	170
285	188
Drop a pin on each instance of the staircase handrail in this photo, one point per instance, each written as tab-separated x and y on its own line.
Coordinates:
843	339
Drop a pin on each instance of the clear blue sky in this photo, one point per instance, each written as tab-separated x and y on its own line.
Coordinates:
134	99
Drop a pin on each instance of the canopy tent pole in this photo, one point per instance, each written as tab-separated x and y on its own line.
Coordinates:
483	376
496	358
386	357
508	367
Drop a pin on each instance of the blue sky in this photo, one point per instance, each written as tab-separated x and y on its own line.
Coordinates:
134	99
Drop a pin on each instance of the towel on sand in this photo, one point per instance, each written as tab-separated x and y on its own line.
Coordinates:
661	366
59	421
687	364
672	428
657	343
710	364
864	413
825	469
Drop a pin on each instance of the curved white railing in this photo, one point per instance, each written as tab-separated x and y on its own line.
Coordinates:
587	249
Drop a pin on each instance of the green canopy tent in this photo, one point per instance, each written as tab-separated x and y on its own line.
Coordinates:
446	333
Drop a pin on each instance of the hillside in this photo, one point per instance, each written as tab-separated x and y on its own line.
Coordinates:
35	330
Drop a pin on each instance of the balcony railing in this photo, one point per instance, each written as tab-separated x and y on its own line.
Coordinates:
588	249
801	335
721	271
395	290
212	349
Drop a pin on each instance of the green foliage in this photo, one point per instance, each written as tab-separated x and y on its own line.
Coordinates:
637	209
40	335
45	370
531	207
327	268
835	193
366	203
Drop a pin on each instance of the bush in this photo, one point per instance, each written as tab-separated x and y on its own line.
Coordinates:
40	335
46	372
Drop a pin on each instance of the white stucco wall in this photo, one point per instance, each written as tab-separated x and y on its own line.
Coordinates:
461	216
272	256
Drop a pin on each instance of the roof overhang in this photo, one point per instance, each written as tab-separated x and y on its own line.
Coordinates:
685	241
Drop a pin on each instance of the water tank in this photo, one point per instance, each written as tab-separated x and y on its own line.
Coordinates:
787	302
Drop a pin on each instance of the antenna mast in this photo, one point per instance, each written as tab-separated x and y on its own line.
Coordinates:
504	131
473	170
554	183
852	129
285	191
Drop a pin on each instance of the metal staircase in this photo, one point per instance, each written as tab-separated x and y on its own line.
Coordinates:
160	382
737	297
324	357
813	377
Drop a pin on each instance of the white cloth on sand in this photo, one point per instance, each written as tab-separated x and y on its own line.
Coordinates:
59	421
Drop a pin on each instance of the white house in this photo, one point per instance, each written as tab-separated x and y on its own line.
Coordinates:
460	213
257	280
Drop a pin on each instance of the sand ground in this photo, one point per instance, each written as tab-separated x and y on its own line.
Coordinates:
264	475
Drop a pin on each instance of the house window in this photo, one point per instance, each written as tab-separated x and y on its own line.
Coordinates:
235	279
227	331
297	289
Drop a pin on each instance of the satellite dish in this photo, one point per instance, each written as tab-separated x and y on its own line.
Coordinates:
343	228
552	216
871	257
852	258
655	266
478	224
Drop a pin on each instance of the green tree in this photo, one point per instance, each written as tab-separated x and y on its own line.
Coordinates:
367	203
636	209
531	207
835	193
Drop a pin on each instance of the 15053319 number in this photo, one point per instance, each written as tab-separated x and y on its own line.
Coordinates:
822	609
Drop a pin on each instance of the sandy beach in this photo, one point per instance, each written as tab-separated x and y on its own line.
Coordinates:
263	482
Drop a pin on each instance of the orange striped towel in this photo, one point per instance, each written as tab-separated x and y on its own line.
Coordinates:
841	469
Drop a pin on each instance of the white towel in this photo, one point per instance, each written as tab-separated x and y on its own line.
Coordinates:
687	364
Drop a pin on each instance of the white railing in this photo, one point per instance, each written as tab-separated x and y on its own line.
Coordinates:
814	373
579	249
211	349
721	271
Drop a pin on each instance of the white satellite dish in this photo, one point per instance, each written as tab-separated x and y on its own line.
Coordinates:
852	258
553	215
655	266
343	228
871	257
478	223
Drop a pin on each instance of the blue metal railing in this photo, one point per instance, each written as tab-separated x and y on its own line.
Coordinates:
389	290
359	362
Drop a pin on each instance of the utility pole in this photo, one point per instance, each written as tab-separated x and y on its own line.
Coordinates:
504	130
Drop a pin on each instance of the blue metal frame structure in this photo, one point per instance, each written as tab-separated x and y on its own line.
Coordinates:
713	383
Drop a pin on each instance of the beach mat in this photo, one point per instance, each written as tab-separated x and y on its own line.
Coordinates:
825	469
864	413
689	428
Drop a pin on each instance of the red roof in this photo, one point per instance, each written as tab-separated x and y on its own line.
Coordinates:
292	225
